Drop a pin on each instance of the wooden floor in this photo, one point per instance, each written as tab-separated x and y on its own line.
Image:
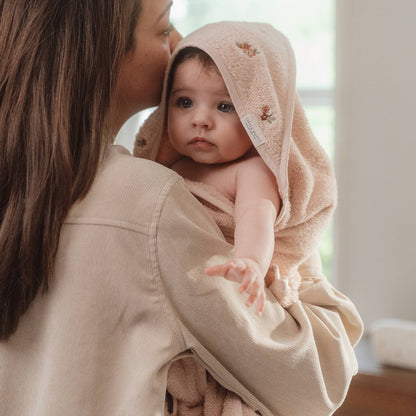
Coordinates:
379	390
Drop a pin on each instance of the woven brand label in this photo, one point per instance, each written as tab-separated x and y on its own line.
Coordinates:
253	130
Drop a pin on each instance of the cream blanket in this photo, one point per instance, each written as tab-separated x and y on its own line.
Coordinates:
258	67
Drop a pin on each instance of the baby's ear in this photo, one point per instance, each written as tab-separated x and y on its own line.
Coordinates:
166	154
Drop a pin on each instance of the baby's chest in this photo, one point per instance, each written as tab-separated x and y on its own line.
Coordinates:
223	180
221	177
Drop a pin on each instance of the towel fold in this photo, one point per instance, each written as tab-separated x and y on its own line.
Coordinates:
193	392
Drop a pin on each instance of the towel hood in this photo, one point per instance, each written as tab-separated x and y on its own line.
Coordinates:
258	66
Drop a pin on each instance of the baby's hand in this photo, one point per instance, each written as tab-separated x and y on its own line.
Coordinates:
247	272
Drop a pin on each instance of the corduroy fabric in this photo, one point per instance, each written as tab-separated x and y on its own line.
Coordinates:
129	294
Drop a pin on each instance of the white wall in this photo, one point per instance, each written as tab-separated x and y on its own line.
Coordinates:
376	156
127	133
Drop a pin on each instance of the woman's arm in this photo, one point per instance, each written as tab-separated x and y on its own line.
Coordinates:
286	362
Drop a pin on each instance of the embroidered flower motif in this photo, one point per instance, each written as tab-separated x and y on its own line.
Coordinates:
141	143
267	115
247	49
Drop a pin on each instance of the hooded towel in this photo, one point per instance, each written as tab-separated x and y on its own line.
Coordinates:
258	67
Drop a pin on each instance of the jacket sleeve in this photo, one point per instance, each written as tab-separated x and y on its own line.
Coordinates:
287	362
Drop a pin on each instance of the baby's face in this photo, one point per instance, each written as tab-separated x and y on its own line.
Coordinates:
202	121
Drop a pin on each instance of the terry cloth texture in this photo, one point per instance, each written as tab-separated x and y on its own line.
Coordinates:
258	67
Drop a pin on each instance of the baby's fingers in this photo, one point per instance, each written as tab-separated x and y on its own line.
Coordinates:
249	279
225	268
257	294
218	270
254	294
261	301
232	270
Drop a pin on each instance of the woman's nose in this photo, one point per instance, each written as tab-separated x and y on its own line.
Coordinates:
174	39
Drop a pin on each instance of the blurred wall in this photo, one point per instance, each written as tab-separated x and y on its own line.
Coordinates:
376	156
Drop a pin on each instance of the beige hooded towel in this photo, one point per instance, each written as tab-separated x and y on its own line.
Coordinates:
258	67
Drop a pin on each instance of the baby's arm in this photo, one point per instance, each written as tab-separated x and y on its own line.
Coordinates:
256	206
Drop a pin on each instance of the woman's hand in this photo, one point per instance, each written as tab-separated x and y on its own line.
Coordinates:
247	272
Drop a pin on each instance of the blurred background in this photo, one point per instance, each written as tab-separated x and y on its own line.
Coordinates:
356	66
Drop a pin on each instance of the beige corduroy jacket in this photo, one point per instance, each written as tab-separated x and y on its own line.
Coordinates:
129	294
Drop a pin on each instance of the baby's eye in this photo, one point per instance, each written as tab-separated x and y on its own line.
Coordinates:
226	107
184	102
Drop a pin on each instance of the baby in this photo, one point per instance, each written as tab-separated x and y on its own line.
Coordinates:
203	126
231	124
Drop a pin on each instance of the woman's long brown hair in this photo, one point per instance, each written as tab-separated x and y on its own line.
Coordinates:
59	62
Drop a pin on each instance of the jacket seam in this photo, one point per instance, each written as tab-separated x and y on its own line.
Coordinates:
95	221
155	257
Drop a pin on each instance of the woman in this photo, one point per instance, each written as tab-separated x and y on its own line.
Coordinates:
101	272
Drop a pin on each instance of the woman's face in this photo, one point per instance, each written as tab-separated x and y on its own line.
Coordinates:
140	80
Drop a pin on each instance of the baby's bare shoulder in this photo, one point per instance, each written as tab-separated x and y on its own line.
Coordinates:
255	179
253	165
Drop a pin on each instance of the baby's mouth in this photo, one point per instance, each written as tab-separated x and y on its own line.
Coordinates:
198	139
201	142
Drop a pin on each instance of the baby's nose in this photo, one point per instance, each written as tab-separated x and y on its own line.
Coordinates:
202	119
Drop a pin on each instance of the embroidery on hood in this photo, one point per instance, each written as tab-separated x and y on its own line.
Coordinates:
247	49
141	143
267	115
